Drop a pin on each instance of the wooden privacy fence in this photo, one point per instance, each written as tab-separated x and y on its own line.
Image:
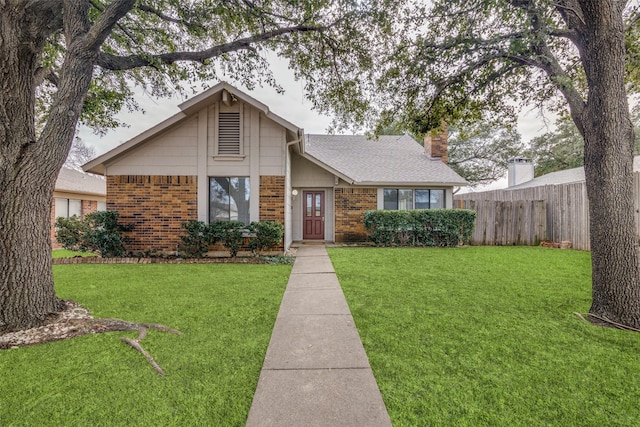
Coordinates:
550	212
517	222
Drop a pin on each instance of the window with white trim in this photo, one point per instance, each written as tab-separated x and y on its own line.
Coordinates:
66	208
407	198
229	135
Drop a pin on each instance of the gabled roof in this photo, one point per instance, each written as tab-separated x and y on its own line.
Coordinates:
567	176
73	181
389	160
187	108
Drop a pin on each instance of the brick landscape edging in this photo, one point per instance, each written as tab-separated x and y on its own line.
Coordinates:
98	260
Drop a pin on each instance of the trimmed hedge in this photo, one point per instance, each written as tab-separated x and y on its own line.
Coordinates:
428	227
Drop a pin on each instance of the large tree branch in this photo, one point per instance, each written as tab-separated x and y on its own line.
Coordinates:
114	62
39	4
47	74
46	15
75	20
571	13
109	17
126	32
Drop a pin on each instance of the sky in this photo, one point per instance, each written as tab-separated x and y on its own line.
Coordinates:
292	106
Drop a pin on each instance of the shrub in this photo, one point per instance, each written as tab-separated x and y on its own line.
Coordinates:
387	228
98	232
197	238
267	235
230	233
69	232
430	227
104	234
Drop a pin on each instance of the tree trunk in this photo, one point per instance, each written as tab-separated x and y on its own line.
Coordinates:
29	165
26	282
27	293
609	138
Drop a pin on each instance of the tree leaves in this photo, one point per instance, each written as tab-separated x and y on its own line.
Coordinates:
480	152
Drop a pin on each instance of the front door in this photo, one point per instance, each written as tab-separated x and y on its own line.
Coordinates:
313	220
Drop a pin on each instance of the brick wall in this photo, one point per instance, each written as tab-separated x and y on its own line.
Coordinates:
351	203
155	206
272	193
272	198
89	206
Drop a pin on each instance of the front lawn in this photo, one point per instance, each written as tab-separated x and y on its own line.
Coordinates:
226	313
487	336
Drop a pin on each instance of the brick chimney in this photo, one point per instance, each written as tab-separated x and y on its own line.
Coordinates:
435	144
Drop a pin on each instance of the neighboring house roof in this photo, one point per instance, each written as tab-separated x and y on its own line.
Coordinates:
390	159
190	106
73	181
566	176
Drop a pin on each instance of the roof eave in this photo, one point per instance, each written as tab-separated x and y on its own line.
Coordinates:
86	193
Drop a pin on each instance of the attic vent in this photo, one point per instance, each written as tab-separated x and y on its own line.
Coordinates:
228	133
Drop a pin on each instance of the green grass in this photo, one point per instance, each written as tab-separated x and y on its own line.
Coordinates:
65	253
226	313
486	337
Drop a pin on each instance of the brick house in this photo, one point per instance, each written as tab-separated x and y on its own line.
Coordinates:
76	193
226	156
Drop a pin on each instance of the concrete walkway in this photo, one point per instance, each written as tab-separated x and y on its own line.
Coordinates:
316	372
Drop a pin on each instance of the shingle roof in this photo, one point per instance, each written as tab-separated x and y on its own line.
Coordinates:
388	159
566	176
73	181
